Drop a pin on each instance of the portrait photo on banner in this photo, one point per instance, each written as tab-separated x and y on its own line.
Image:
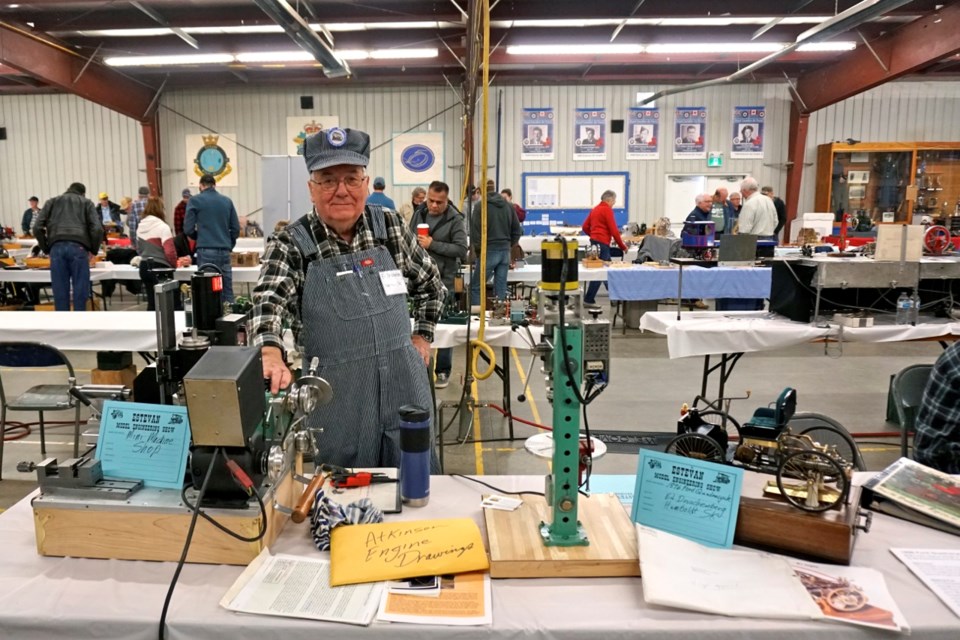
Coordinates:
748	124
590	134
690	133
642	143
418	158
536	134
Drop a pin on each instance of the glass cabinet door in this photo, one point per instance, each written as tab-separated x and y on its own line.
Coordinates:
870	183
938	185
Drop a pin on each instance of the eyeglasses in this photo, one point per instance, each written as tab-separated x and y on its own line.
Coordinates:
329	183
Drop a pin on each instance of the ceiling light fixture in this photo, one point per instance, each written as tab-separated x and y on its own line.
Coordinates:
840	45
399	54
714	47
154	61
275	56
573	49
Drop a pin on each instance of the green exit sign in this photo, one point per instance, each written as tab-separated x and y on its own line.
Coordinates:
715	159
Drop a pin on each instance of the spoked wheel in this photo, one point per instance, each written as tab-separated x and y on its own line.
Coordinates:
718	426
814	470
846	599
846	446
694	445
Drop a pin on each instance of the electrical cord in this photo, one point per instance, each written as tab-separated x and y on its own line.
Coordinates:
263	521
497	489
186	547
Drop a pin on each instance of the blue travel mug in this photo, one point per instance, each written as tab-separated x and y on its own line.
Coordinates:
415	448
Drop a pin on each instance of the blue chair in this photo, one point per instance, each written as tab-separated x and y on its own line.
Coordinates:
40	398
768	422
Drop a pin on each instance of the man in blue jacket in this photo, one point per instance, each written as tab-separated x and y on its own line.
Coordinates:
212	221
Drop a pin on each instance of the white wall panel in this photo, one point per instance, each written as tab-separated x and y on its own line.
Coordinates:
56	139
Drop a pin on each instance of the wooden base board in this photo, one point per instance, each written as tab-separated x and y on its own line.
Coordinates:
135	532
778	526
517	551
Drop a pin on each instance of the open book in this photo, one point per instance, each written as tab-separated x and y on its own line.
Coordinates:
912	491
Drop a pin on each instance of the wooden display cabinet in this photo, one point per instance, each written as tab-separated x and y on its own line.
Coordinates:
906	178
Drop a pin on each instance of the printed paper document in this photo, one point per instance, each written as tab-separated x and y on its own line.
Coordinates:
939	569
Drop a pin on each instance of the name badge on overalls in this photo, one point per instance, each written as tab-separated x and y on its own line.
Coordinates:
393	282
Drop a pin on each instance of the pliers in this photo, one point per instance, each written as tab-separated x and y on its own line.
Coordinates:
349	480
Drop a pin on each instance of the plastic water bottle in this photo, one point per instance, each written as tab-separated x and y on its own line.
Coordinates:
904	309
914	308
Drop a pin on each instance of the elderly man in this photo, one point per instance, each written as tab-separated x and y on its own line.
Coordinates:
109	213
340	277
937	439
780	206
601	227
446	242
701	211
758	216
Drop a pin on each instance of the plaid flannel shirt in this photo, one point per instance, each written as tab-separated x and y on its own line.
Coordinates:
937	440
276	298
133	218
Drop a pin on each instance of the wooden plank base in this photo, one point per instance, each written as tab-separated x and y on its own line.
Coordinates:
517	551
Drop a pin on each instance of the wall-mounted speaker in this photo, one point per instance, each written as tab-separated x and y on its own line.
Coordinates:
306	102
616	126
3	133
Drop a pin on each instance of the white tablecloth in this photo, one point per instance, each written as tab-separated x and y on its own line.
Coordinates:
701	333
86	330
250	244
119	272
452	335
43	598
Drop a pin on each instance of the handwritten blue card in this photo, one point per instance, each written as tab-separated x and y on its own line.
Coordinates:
146	442
687	497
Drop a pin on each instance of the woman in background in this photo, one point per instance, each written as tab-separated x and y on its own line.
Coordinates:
416	199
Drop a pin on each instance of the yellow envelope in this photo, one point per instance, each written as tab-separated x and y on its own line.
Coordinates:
397	550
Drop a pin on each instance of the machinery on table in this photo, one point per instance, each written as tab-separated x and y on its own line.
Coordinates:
809	475
563	533
698	239
937	241
246	443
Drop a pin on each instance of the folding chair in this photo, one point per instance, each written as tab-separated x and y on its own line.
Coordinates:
907	389
40	398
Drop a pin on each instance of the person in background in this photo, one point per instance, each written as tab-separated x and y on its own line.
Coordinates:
109	213
136	212
701	212
69	231
758	216
30	216
156	248
521	212
781	208
378	197
503	231
720	197
736	202
601	227
324	276
180	211
936	442
213	222
446	243
416	199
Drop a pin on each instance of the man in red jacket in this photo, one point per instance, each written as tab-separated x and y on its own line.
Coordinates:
601	226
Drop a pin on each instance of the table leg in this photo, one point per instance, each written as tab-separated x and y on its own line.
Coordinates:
679	291
506	387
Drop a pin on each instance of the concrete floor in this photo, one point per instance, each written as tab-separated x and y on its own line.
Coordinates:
646	392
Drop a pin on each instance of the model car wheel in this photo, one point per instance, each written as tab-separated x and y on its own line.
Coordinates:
814	470
695	445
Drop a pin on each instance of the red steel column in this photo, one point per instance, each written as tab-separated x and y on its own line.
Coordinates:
796	147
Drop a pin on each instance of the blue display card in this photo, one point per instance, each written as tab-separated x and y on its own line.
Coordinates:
687	497
148	442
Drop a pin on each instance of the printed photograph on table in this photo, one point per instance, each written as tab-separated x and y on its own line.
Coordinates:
747	132
536	134
644	133
690	133
590	133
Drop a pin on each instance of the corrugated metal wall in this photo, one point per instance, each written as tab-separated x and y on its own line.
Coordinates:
56	139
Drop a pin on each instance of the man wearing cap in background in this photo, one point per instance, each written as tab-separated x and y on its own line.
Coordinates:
136	212
340	276
378	197
69	230
503	231
180	212
213	222
30	216
109	213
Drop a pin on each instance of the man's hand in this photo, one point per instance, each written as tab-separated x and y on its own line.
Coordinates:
275	369
423	348
183	261
425	241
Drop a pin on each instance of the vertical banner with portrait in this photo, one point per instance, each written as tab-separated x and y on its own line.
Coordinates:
643	134
536	135
690	133
418	157
590	134
747	132
213	154
299	127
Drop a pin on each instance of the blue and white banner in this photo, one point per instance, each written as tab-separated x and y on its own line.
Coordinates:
536	134
690	133
644	133
747	132
418	157
590	135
